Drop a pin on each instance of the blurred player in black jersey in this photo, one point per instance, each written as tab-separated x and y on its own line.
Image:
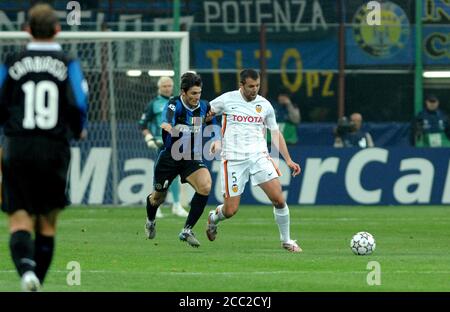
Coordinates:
43	104
183	121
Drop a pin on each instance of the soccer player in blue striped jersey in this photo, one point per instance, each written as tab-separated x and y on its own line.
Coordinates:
150	123
183	120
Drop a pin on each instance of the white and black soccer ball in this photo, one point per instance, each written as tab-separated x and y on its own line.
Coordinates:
362	243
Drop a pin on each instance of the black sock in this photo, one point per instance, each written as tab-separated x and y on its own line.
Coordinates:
151	210
198	204
43	254
22	251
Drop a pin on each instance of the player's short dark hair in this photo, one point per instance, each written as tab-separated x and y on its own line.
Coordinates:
42	20
189	80
248	73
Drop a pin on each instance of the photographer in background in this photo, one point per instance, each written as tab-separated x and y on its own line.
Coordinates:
348	133
288	117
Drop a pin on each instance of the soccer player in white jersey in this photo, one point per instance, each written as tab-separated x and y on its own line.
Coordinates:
246	116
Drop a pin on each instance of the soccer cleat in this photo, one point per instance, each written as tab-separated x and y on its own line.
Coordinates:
188	236
179	211
291	246
30	282
211	227
150	229
159	214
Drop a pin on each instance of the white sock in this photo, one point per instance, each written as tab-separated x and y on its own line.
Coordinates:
175	205
282	219
218	216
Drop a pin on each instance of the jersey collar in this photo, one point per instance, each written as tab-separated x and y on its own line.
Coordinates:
44	46
243	97
187	106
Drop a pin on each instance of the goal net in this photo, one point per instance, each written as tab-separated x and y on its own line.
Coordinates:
114	165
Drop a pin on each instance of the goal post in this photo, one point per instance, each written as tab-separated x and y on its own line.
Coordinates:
67	37
118	67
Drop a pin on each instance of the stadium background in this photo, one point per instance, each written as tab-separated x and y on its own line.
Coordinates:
385	190
302	41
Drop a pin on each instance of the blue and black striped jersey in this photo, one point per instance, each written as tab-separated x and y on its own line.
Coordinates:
191	123
43	92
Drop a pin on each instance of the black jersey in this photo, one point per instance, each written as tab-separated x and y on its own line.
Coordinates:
42	93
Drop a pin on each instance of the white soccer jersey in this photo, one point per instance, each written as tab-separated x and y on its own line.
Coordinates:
243	124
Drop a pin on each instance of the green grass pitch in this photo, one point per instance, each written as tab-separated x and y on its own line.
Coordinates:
413	250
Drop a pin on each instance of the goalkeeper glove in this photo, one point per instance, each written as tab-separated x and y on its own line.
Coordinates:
152	142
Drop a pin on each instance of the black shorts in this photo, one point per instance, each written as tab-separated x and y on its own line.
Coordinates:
34	174
166	169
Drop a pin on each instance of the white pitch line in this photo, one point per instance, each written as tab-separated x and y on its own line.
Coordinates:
241	273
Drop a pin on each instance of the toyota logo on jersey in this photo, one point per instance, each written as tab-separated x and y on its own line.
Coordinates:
250	119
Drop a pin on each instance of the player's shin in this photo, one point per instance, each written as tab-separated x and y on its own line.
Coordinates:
43	254
22	251
151	209
282	220
198	204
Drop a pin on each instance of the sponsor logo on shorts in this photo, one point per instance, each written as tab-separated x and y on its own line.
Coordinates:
158	186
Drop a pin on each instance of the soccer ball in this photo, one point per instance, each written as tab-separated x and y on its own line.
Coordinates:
362	243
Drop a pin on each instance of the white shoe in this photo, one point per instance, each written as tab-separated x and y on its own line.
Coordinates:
291	246
188	236
30	282
211	227
150	229
179	211
159	214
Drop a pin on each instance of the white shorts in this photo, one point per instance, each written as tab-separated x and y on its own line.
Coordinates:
235	173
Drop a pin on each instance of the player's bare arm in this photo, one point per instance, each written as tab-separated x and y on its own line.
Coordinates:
280	143
175	131
215	147
216	109
167	127
210	115
212	112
